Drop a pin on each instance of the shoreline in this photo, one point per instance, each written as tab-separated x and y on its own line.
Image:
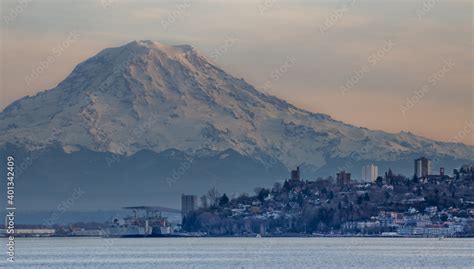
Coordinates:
271	236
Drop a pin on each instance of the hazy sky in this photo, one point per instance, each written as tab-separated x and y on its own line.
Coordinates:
388	65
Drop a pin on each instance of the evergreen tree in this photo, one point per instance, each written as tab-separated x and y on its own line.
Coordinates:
367	197
224	200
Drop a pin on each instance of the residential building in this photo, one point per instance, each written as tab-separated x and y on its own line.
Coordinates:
370	173
422	167
295	174
343	178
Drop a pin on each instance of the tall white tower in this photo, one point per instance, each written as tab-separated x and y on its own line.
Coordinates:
370	173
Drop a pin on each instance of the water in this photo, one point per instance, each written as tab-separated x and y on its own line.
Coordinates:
221	253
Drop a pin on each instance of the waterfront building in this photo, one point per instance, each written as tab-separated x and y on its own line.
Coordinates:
34	232
188	204
84	232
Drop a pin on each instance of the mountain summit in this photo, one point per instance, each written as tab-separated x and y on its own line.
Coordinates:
146	96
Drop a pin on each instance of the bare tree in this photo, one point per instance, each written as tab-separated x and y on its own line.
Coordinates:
213	196
204	203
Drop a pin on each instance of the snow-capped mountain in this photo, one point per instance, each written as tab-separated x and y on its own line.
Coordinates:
146	96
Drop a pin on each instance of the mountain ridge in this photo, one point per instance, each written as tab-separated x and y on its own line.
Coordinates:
145	122
145	84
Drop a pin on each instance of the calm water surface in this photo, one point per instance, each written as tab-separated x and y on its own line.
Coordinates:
210	253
